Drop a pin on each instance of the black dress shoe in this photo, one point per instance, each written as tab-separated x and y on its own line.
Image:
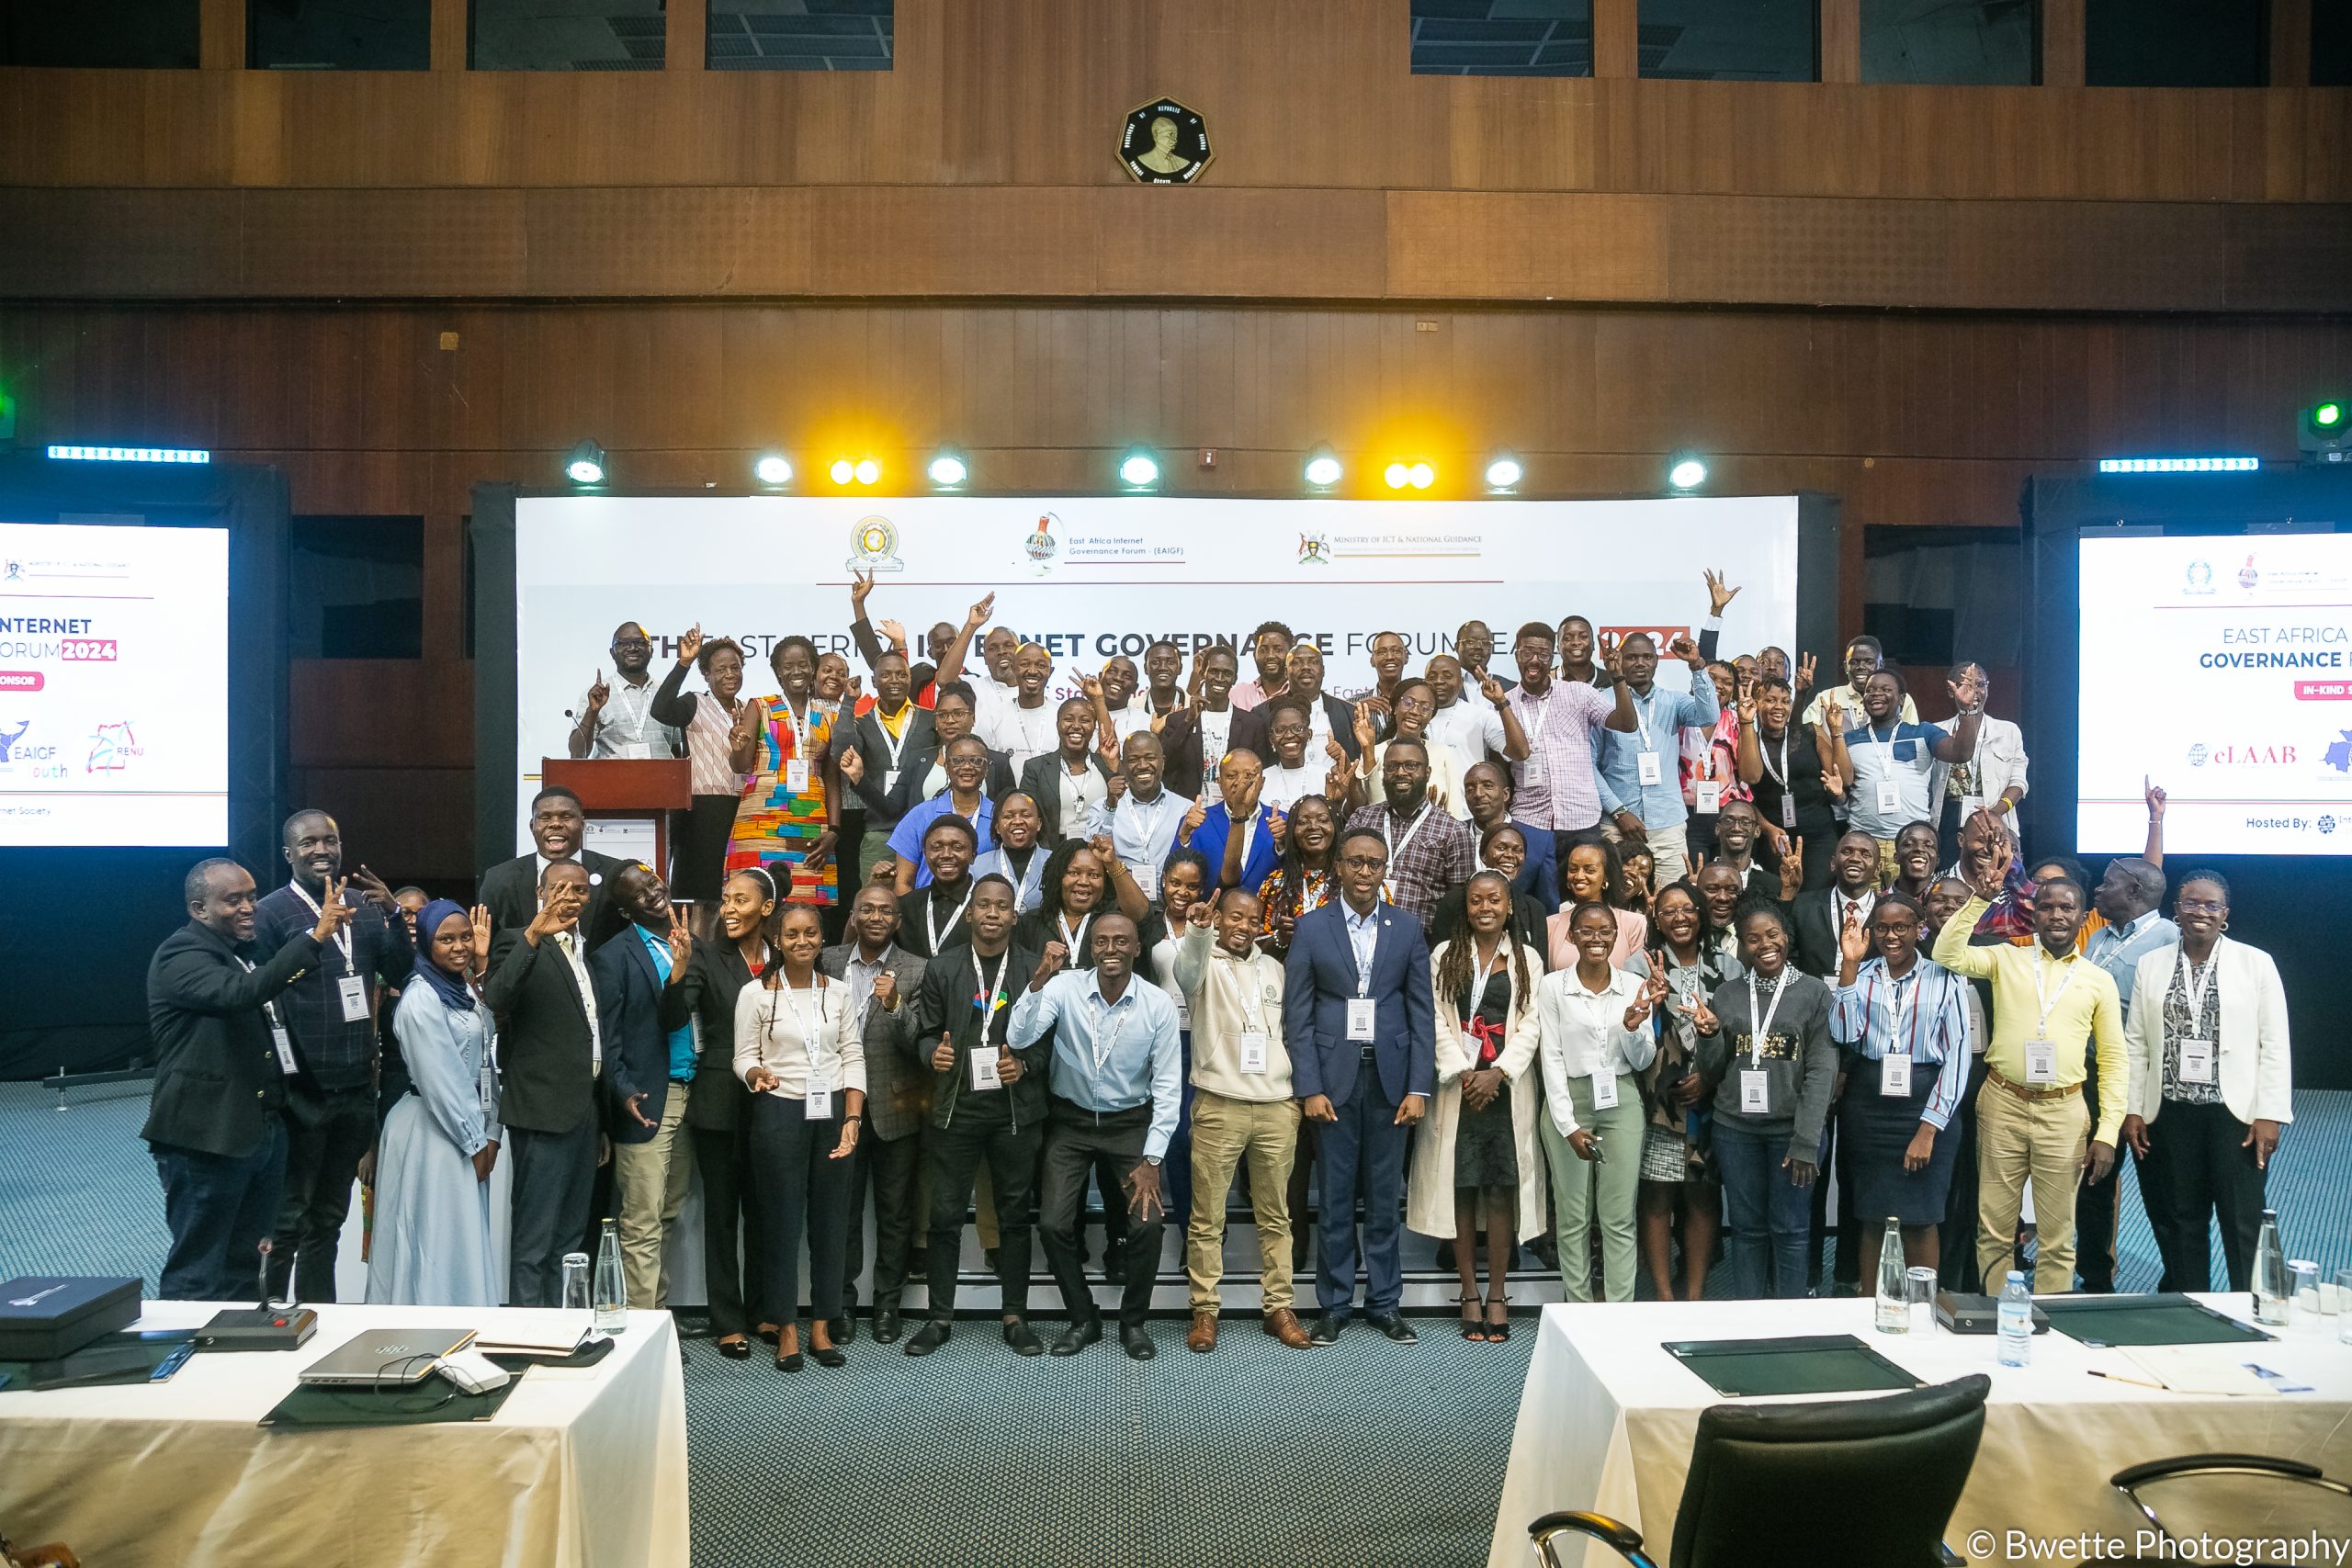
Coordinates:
789	1363
1326	1329
828	1354
886	1326
929	1338
1078	1335
1393	1325
843	1329
735	1349
1135	1342
1018	1334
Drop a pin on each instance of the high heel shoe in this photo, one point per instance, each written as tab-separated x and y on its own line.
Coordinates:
1473	1323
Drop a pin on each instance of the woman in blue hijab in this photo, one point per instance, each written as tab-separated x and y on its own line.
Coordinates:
431	1245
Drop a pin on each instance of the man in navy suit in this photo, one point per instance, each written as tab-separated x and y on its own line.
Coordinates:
1357	1012
647	1012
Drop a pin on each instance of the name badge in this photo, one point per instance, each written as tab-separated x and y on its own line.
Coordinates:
984	1073
1788	810
1534	773
1890	798
354	993
796	776
1649	768
486	1087
820	1104
2040	1062
1605	1089
1755	1092
284	1042
636	750
1894	1075
890	780
2197	1061
1970	804
1359	1019
1708	795
1254	1046
1147	880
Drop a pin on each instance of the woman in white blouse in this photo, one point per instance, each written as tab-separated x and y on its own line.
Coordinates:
805	1069
1595	1022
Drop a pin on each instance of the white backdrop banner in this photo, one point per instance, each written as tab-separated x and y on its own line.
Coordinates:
1093	576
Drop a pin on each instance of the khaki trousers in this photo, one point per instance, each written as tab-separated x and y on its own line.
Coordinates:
2016	1139
649	1181
1225	1132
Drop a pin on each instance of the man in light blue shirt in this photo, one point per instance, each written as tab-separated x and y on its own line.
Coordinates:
967	765
1143	821
1118	1083
2129	896
1640	770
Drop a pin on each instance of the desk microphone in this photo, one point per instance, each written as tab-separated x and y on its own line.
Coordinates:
264	1273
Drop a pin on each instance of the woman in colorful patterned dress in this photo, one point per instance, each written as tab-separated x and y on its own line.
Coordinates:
789	812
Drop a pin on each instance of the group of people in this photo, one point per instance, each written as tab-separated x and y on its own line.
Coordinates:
1564	956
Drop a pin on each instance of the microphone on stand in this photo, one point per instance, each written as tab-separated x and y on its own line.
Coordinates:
265	1247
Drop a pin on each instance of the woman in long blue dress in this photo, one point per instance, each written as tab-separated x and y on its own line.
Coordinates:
431	1245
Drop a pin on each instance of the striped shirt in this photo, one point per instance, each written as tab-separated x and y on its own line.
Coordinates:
1555	788
1932	1004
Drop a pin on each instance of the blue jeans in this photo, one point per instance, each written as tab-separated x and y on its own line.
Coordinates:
220	1210
1768	1217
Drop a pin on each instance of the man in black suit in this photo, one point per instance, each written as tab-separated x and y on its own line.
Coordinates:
559	827
1821	913
880	975
923	773
550	1054
645	1012
223	1059
1327	715
886	738
1073	775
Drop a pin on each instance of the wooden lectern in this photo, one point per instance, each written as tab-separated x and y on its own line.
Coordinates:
647	789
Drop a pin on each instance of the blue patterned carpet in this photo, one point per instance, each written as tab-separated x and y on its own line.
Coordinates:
1366	1454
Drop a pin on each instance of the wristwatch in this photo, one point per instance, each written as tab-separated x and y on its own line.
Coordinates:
1152	1160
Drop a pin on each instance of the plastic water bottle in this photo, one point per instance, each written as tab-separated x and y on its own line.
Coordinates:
1893	1284
2016	1319
612	1288
2272	1291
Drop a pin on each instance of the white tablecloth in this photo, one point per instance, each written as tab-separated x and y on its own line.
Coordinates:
577	1468
1607	1420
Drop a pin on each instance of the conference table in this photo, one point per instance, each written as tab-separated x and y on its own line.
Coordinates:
580	1468
1608	1417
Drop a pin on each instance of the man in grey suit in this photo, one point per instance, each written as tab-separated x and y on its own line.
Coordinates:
880	975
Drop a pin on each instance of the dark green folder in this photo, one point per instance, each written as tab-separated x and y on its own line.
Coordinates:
2163	1319
1823	1363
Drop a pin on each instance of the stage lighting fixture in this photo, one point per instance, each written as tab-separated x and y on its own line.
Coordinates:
585	464
1686	470
1421	474
2178	465
1323	468
949	468
1503	471
772	469
129	455
1139	469
842	471
1397	475
868	471
2324	433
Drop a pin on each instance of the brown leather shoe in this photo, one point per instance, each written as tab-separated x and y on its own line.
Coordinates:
1204	1332
1283	1324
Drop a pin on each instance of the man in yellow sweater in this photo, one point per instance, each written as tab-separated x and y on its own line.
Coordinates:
2049	1004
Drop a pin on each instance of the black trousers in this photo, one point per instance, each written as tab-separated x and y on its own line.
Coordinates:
698	846
802	1188
555	1176
892	1171
2195	1168
1956	1238
2095	1211
1845	1256
1106	1146
952	1154
327	1132
733	1245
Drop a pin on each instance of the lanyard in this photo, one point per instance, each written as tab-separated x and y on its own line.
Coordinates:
878	967
1887	745
1641	706
891	746
931	917
1894	1009
986	999
812	1029
2204	981
1580	1001
270	1007
1762	1026
1025	880
2048	1000
1543	707
801	723
1365	948
1781	774
1071	939
1396	846
342	932
1252	1006
1097	1046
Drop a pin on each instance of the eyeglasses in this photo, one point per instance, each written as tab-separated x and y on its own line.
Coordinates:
2201	906
1364	862
632	642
